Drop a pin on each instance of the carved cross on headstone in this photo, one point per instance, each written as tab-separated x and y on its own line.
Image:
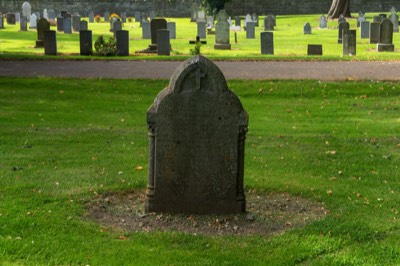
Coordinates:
198	74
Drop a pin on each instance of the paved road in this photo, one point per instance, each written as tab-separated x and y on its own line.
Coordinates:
327	71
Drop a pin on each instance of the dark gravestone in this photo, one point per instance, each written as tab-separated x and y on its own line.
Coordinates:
122	39
250	30
50	42
267	42
307	28
364	30
64	13
83	25
163	42
374	29
86	42
137	16
60	24
23	24
117	25
10	18
171	26
146	30
237	21
314	49
76	23
349	42
197	130
342	26
91	17
268	23
341	19
201	29
155	25
386	36
42	26
67	26
222	32
123	17
377	19
67	15
106	16
1	22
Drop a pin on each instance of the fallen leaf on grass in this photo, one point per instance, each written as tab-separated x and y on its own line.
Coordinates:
331	152
139	167
329	192
122	237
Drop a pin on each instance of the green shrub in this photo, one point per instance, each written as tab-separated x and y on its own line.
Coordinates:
105	48
196	49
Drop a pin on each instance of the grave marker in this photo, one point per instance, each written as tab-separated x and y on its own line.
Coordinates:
23	24
10	18
67	26
163	42
171	26
76	23
83	25
85	42
222	32
91	17
314	49
197	130
122	40
364	30
50	41
26	10
42	26
342	26
146	30
323	22
267	42
374	29
33	22
349	42
385	36
201	29
250	30
60	24
307	28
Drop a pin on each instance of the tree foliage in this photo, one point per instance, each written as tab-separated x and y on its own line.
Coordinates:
214	6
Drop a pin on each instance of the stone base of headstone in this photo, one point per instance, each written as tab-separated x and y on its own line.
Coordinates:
222	46
314	49
383	47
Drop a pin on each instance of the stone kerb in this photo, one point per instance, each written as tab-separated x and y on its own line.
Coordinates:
197	130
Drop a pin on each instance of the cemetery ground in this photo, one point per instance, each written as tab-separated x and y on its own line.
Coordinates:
321	176
290	43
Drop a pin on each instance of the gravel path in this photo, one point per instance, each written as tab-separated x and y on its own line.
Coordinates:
320	70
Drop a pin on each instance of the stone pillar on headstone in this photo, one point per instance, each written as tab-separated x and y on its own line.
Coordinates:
222	32
250	30
364	30
122	40
33	21
67	26
385	36
60	24
50	42
197	129
146	30
26	10
201	29
342	26
43	25
23	24
349	42
171	26
163	42
374	29
86	42
76	23
307	28
267	42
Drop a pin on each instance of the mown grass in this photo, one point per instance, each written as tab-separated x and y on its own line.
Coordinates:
289	41
65	141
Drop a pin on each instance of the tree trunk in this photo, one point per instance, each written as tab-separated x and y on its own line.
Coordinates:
338	8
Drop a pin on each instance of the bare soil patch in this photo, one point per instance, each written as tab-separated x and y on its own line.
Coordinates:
266	214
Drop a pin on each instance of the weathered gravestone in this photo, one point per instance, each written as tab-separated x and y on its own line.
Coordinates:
33	21
395	19
26	10
210	23
364	30
10	18
255	19
146	30
85	42
122	41
360	19
247	19
163	42
91	17
67	26
76	23
50	42
374	29
197	130
51	14
267	42
201	16
23	26
193	12
60	24
268	23
155	25
45	14
237	21
222	32
307	28
1	22
349	42
323	22
201	29
386	37
42	26
83	25
106	16
171	26
342	26
137	16
341	19
17	17
123	17
37	15
314	49
250	30
117	25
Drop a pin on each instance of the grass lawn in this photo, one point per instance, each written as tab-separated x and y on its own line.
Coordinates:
289	42
66	141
